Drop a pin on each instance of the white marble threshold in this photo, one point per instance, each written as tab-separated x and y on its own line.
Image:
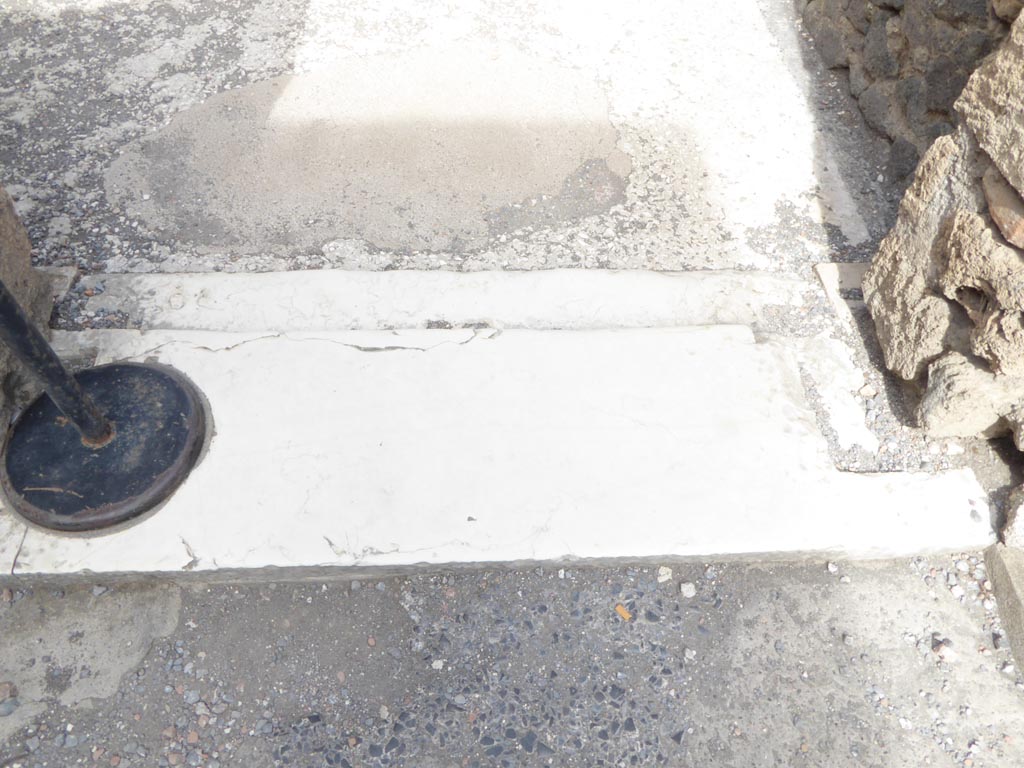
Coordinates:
392	449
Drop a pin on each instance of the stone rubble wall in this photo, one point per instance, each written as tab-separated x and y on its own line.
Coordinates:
946	288
32	290
907	60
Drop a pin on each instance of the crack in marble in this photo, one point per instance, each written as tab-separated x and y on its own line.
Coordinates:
194	561
17	554
485	333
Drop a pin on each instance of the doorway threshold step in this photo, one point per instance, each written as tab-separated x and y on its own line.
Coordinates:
392	449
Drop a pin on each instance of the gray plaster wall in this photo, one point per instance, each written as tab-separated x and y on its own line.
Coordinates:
907	60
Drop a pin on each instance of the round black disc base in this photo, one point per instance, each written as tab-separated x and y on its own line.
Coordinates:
54	480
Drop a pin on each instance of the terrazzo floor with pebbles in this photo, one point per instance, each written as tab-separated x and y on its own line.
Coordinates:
726	664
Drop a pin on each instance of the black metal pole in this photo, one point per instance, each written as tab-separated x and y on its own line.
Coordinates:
31	348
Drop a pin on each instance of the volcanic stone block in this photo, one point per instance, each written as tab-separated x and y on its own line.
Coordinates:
992	105
1005	206
914	322
986	277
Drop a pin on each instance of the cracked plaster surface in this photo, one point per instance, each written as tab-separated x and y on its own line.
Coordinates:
699	185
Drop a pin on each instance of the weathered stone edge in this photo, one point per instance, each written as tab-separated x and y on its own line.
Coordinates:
1005	566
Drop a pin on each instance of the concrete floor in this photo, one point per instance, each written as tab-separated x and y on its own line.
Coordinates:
238	135
893	665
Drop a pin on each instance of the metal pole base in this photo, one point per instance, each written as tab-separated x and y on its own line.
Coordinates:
55	480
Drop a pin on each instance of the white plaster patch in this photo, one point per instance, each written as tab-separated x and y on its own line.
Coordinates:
837	277
837	378
690	70
376	448
348	300
835	204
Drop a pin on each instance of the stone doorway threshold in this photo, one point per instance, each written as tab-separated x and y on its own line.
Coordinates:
631	433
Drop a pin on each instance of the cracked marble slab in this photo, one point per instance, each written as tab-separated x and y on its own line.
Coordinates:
829	363
349	300
436	446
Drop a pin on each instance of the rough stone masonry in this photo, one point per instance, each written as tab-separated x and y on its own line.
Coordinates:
946	289
907	60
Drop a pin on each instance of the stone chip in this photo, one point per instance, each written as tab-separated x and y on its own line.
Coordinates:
1005	206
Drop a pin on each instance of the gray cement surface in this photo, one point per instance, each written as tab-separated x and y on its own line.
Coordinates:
728	664
187	136
405	163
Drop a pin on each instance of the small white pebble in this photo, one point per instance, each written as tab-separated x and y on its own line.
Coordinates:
832	567
688	589
664	574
